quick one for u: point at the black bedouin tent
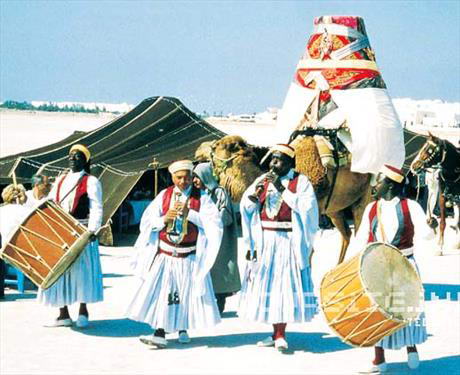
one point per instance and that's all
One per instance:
(122, 150)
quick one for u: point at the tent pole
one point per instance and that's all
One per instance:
(155, 166)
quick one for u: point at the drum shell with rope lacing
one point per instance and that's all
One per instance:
(371, 296)
(45, 244)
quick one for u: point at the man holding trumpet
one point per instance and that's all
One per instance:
(279, 214)
(180, 235)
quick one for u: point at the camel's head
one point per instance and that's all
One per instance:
(234, 163)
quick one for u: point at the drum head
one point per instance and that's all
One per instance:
(391, 281)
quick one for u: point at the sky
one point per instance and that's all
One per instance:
(215, 56)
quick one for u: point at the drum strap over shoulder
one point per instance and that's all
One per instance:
(80, 204)
(58, 193)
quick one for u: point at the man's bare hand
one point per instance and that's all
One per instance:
(182, 209)
(170, 215)
(275, 180)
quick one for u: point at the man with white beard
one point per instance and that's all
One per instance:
(41, 187)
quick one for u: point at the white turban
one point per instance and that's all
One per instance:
(181, 165)
(285, 149)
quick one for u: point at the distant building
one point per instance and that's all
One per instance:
(427, 113)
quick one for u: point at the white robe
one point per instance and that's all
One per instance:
(33, 202)
(82, 282)
(159, 275)
(11, 216)
(376, 131)
(278, 287)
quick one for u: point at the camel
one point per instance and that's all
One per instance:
(236, 165)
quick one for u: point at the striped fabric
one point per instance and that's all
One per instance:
(170, 281)
(81, 283)
(274, 291)
(413, 334)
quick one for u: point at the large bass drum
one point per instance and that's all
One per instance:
(45, 244)
(372, 295)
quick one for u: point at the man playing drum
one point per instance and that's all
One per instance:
(279, 214)
(180, 235)
(395, 220)
(80, 194)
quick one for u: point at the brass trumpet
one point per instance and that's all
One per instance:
(172, 226)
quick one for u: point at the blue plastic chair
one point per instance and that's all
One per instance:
(19, 281)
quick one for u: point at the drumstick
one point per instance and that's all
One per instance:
(15, 183)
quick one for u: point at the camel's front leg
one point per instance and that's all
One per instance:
(338, 219)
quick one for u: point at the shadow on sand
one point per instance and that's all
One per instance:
(313, 342)
(434, 292)
(115, 328)
(438, 366)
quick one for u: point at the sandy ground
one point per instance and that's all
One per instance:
(16, 128)
(110, 344)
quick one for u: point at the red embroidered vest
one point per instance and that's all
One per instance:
(192, 230)
(285, 212)
(404, 236)
(80, 207)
